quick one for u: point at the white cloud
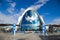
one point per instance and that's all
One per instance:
(42, 1)
(21, 11)
(36, 5)
(45, 14)
(9, 0)
(39, 4)
(11, 8)
(13, 4)
(10, 18)
(55, 21)
(6, 18)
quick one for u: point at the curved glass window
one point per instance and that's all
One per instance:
(30, 21)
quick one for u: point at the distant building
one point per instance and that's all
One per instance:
(53, 27)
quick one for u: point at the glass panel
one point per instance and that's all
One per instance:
(30, 21)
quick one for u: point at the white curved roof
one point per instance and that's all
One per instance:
(24, 13)
(31, 8)
(41, 18)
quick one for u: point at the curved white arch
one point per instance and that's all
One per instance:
(42, 21)
(31, 8)
(19, 19)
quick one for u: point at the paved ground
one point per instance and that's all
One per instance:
(19, 36)
(52, 37)
(29, 36)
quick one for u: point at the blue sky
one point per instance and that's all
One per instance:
(10, 10)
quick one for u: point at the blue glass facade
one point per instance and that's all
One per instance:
(30, 20)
